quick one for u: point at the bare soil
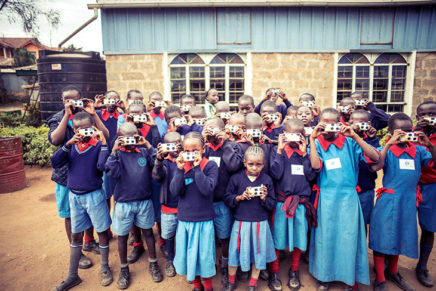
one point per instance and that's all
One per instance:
(34, 251)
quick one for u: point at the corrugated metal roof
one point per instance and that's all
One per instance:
(152, 30)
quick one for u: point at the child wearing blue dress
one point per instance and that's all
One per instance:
(194, 183)
(393, 229)
(338, 249)
(251, 242)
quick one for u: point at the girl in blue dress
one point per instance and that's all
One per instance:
(393, 228)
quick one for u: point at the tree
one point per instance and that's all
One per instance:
(27, 12)
(23, 57)
(72, 48)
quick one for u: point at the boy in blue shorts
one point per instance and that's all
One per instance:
(85, 153)
(130, 165)
(164, 169)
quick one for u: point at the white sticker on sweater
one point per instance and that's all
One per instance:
(297, 170)
(333, 164)
(217, 160)
(407, 164)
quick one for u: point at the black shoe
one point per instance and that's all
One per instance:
(379, 286)
(155, 272)
(170, 271)
(264, 275)
(85, 262)
(124, 278)
(229, 287)
(294, 280)
(274, 282)
(224, 275)
(322, 286)
(92, 247)
(242, 276)
(198, 289)
(282, 255)
(349, 288)
(135, 254)
(69, 283)
(399, 281)
(163, 250)
(423, 277)
(251, 288)
(106, 276)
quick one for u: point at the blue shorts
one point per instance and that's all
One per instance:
(62, 201)
(140, 213)
(168, 225)
(223, 220)
(108, 185)
(89, 210)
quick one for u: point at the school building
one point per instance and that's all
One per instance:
(328, 48)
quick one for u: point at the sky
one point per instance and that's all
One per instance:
(73, 14)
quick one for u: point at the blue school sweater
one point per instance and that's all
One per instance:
(151, 134)
(194, 187)
(366, 179)
(282, 108)
(236, 151)
(273, 133)
(215, 153)
(85, 168)
(254, 209)
(291, 172)
(163, 173)
(132, 172)
(111, 122)
(379, 118)
(185, 129)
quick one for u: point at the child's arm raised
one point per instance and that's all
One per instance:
(424, 140)
(177, 185)
(368, 150)
(314, 157)
(112, 166)
(98, 123)
(159, 170)
(393, 140)
(233, 156)
(276, 159)
(57, 136)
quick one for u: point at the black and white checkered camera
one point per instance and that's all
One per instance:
(169, 147)
(189, 156)
(225, 115)
(256, 191)
(360, 102)
(363, 126)
(254, 132)
(87, 131)
(78, 103)
(233, 128)
(332, 127)
(140, 118)
(129, 140)
(272, 117)
(109, 101)
(294, 137)
(308, 104)
(410, 136)
(159, 104)
(431, 120)
(185, 108)
(180, 121)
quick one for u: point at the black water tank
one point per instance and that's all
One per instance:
(85, 70)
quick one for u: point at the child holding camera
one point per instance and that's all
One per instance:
(271, 120)
(235, 127)
(305, 114)
(144, 123)
(179, 123)
(346, 107)
(198, 115)
(393, 229)
(85, 154)
(250, 194)
(274, 94)
(308, 100)
(379, 118)
(134, 96)
(130, 165)
(194, 183)
(163, 172)
(292, 173)
(338, 249)
(359, 122)
(426, 115)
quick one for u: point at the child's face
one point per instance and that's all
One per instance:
(357, 96)
(292, 113)
(245, 107)
(349, 103)
(358, 118)
(136, 96)
(268, 110)
(192, 145)
(329, 118)
(81, 124)
(173, 114)
(187, 102)
(70, 95)
(212, 96)
(177, 141)
(197, 115)
(305, 115)
(222, 109)
(254, 164)
(254, 125)
(427, 110)
(114, 96)
(404, 125)
(237, 121)
(305, 98)
(294, 129)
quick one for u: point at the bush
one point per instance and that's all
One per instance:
(36, 148)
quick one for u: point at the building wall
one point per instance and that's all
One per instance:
(424, 87)
(142, 72)
(296, 74)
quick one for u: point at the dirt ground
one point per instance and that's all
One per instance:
(34, 250)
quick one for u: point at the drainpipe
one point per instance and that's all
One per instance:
(80, 28)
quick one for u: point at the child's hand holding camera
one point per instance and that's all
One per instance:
(142, 141)
(98, 100)
(161, 153)
(98, 135)
(180, 162)
(77, 138)
(197, 159)
(246, 195)
(318, 130)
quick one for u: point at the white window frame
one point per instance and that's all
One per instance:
(207, 58)
(408, 90)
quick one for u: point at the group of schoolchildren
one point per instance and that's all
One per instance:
(254, 182)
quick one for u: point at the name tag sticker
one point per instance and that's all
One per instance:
(297, 170)
(217, 160)
(407, 164)
(333, 164)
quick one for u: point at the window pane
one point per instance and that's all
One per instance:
(381, 71)
(383, 107)
(234, 96)
(395, 108)
(380, 84)
(380, 96)
(397, 96)
(217, 84)
(177, 73)
(362, 71)
(196, 72)
(345, 72)
(197, 83)
(341, 95)
(399, 71)
(217, 72)
(236, 72)
(362, 85)
(398, 84)
(344, 84)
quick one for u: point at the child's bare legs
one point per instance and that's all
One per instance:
(68, 228)
(106, 275)
(425, 248)
(156, 274)
(138, 246)
(124, 278)
(231, 284)
(254, 276)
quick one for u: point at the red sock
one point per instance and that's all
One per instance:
(207, 283)
(232, 278)
(161, 242)
(379, 263)
(197, 282)
(89, 239)
(354, 287)
(393, 264)
(274, 266)
(109, 233)
(253, 282)
(295, 259)
(138, 244)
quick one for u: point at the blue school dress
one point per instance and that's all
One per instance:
(393, 229)
(427, 186)
(338, 249)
